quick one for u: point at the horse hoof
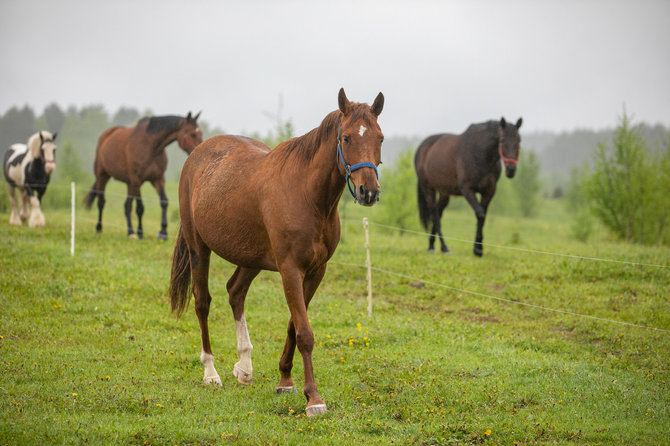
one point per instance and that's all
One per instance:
(431, 250)
(215, 380)
(281, 390)
(446, 253)
(478, 252)
(132, 236)
(162, 236)
(317, 409)
(242, 376)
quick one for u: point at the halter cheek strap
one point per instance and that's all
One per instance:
(347, 168)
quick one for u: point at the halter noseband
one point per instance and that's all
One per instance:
(500, 151)
(347, 168)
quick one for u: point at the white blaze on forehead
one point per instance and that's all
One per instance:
(362, 130)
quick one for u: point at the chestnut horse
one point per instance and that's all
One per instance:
(464, 164)
(137, 154)
(275, 210)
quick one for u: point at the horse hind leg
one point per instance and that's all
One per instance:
(24, 214)
(14, 218)
(99, 190)
(441, 205)
(238, 286)
(200, 273)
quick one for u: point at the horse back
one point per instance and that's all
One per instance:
(13, 167)
(437, 162)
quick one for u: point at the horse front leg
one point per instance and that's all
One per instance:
(480, 213)
(36, 216)
(298, 290)
(286, 384)
(14, 218)
(24, 214)
(238, 286)
(159, 185)
(99, 186)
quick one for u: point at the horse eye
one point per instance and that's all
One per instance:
(192, 135)
(382, 140)
(346, 139)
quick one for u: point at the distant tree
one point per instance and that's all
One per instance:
(125, 116)
(54, 116)
(526, 183)
(630, 186)
(16, 126)
(69, 165)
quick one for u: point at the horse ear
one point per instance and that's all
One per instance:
(188, 117)
(197, 116)
(503, 123)
(53, 138)
(41, 137)
(343, 102)
(378, 105)
(519, 122)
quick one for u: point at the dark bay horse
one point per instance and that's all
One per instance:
(276, 210)
(137, 154)
(28, 168)
(464, 164)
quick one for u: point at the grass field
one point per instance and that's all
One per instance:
(89, 352)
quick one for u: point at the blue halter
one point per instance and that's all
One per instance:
(347, 168)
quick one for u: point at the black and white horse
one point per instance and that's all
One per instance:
(27, 167)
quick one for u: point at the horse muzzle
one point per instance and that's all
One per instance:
(49, 166)
(366, 197)
(510, 170)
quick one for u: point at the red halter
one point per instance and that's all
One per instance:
(500, 150)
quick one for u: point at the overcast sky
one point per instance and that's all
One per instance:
(441, 64)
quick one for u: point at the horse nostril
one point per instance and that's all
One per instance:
(362, 191)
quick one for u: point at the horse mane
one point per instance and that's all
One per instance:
(34, 143)
(158, 124)
(303, 148)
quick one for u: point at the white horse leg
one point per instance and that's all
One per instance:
(211, 375)
(243, 369)
(25, 208)
(14, 218)
(36, 215)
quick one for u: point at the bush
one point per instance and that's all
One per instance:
(629, 189)
(397, 206)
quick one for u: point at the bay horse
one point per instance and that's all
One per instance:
(275, 210)
(28, 168)
(464, 164)
(135, 155)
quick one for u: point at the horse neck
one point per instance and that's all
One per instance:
(487, 140)
(324, 182)
(163, 139)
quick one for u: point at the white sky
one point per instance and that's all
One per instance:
(441, 65)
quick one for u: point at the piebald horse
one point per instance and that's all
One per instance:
(28, 168)
(135, 155)
(464, 164)
(276, 210)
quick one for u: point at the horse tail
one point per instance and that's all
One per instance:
(180, 278)
(424, 214)
(90, 197)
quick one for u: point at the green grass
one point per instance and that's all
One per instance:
(91, 354)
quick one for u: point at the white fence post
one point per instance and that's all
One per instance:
(72, 224)
(368, 265)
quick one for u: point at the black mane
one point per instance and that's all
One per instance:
(157, 124)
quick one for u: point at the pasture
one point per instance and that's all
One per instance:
(89, 352)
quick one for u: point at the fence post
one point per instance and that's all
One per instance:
(368, 265)
(72, 224)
